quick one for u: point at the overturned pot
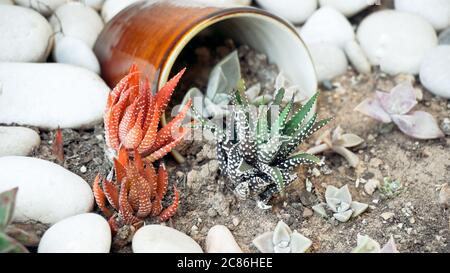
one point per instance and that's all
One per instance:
(153, 34)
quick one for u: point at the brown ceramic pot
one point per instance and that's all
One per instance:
(154, 34)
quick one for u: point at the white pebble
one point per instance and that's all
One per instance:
(18, 141)
(329, 61)
(435, 71)
(83, 233)
(44, 7)
(70, 50)
(396, 41)
(161, 239)
(348, 8)
(62, 95)
(292, 10)
(78, 21)
(25, 35)
(112, 7)
(327, 25)
(437, 12)
(220, 240)
(357, 58)
(47, 193)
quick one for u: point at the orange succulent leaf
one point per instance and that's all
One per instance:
(113, 117)
(165, 135)
(111, 192)
(144, 195)
(163, 181)
(165, 93)
(160, 153)
(58, 146)
(113, 225)
(150, 136)
(125, 209)
(100, 197)
(170, 211)
(151, 177)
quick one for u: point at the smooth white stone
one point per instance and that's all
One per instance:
(221, 240)
(83, 233)
(396, 41)
(437, 12)
(162, 239)
(346, 7)
(51, 95)
(78, 21)
(293, 10)
(95, 4)
(70, 50)
(47, 193)
(327, 25)
(357, 58)
(329, 61)
(44, 7)
(18, 141)
(25, 35)
(435, 71)
(6, 2)
(112, 7)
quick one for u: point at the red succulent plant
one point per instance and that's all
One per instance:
(136, 192)
(133, 113)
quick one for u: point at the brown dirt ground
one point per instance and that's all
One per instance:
(419, 223)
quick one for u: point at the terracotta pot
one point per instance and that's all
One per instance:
(154, 34)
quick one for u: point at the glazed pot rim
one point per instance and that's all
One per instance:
(220, 16)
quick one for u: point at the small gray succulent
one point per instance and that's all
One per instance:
(339, 143)
(340, 203)
(282, 240)
(365, 244)
(225, 76)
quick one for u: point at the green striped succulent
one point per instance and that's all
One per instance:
(256, 150)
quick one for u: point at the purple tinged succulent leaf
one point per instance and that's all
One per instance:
(401, 100)
(371, 107)
(390, 247)
(10, 245)
(7, 204)
(420, 125)
(264, 242)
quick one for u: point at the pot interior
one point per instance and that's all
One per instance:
(264, 33)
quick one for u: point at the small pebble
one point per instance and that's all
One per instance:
(83, 169)
(387, 215)
(371, 186)
(307, 213)
(445, 126)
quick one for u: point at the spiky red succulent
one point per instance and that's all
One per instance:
(136, 192)
(133, 113)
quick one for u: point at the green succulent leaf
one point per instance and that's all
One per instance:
(7, 204)
(298, 118)
(279, 124)
(279, 96)
(262, 128)
(9, 245)
(299, 159)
